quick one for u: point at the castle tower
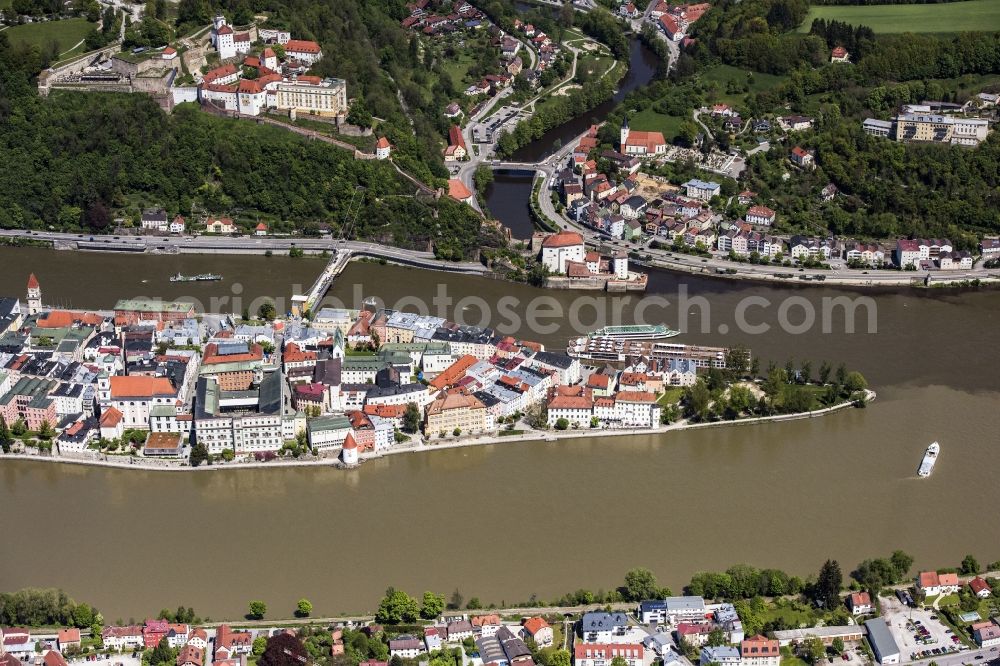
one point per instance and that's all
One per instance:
(619, 264)
(624, 134)
(34, 295)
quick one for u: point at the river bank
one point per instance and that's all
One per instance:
(159, 465)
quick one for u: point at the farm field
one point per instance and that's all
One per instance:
(66, 33)
(948, 17)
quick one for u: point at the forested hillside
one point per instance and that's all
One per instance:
(77, 160)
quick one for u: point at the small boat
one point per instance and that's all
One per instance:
(930, 459)
(203, 277)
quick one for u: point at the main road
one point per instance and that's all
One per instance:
(241, 245)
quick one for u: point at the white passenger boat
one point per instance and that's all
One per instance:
(930, 459)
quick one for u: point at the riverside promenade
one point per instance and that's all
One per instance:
(420, 446)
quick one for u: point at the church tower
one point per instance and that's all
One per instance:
(624, 134)
(34, 295)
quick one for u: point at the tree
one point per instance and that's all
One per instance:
(259, 645)
(562, 424)
(199, 454)
(737, 361)
(258, 609)
(45, 431)
(456, 432)
(431, 606)
(826, 591)
(619, 661)
(716, 637)
(824, 372)
(162, 653)
(267, 311)
(640, 583)
(901, 563)
(456, 600)
(359, 114)
(411, 418)
(397, 607)
(474, 604)
(304, 608)
(815, 650)
(838, 645)
(854, 382)
(5, 437)
(970, 565)
(83, 616)
(559, 658)
(283, 650)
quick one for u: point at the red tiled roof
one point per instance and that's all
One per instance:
(33, 282)
(138, 386)
(349, 443)
(301, 46)
(458, 190)
(534, 625)
(455, 137)
(563, 239)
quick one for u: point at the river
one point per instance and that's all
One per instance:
(97, 280)
(643, 65)
(507, 197)
(507, 521)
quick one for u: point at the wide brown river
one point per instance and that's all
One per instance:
(507, 521)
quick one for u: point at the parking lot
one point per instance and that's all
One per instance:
(918, 632)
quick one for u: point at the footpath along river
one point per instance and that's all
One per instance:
(506, 521)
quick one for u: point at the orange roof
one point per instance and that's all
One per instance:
(458, 190)
(69, 635)
(261, 226)
(453, 372)
(349, 442)
(929, 579)
(534, 624)
(268, 52)
(110, 418)
(455, 137)
(137, 386)
(65, 319)
(382, 142)
(301, 46)
(249, 86)
(33, 282)
(454, 401)
(563, 239)
(948, 579)
(635, 396)
(571, 402)
(212, 355)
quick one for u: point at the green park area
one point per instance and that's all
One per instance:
(67, 33)
(945, 17)
(649, 120)
(732, 84)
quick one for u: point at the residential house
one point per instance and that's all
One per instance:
(596, 654)
(760, 651)
(760, 215)
(802, 157)
(859, 603)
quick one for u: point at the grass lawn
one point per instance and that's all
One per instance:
(458, 68)
(723, 75)
(938, 18)
(596, 65)
(66, 33)
(671, 395)
(651, 121)
(793, 617)
(949, 600)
